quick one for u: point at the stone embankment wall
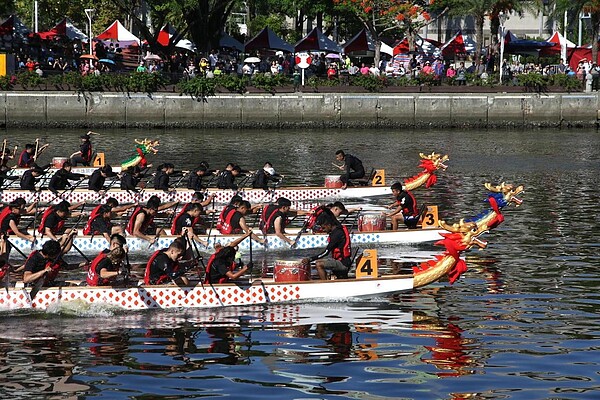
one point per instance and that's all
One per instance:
(60, 109)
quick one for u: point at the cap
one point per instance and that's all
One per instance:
(269, 170)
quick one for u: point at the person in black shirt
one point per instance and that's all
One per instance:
(44, 264)
(10, 222)
(195, 180)
(405, 208)
(31, 177)
(85, 154)
(60, 179)
(161, 180)
(340, 249)
(227, 178)
(131, 178)
(163, 266)
(98, 177)
(353, 167)
(264, 176)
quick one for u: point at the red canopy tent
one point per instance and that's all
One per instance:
(454, 46)
(64, 29)
(422, 46)
(363, 41)
(116, 32)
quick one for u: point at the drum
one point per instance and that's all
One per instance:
(333, 181)
(371, 222)
(57, 162)
(291, 271)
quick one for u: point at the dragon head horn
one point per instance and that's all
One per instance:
(491, 188)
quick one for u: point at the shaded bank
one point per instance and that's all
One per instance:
(316, 110)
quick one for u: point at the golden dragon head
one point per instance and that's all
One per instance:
(434, 159)
(509, 193)
(464, 234)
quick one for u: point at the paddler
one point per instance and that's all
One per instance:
(226, 178)
(264, 176)
(141, 223)
(98, 177)
(131, 178)
(106, 268)
(184, 222)
(221, 265)
(60, 179)
(85, 153)
(31, 177)
(234, 221)
(53, 224)
(274, 219)
(10, 217)
(163, 265)
(352, 167)
(43, 264)
(405, 208)
(339, 248)
(26, 159)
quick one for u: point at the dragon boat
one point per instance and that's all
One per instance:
(372, 187)
(92, 245)
(254, 291)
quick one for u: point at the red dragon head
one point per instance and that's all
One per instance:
(461, 237)
(433, 161)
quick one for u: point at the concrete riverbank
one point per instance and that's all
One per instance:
(62, 109)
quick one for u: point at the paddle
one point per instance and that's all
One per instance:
(251, 263)
(70, 190)
(302, 230)
(34, 218)
(7, 240)
(212, 222)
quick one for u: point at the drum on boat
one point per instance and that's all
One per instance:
(333, 181)
(291, 271)
(371, 222)
(57, 162)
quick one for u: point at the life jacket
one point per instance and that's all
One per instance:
(21, 163)
(93, 277)
(311, 220)
(163, 278)
(45, 216)
(3, 271)
(345, 252)
(411, 212)
(209, 264)
(87, 156)
(93, 215)
(6, 211)
(50, 276)
(224, 222)
(267, 216)
(131, 223)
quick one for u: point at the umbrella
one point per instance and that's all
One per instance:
(252, 60)
(152, 57)
(89, 57)
(106, 61)
(333, 55)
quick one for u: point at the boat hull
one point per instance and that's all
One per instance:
(186, 195)
(205, 296)
(93, 245)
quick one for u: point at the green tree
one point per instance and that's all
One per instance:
(574, 8)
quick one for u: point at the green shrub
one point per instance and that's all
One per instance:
(232, 82)
(569, 83)
(29, 79)
(533, 81)
(268, 82)
(6, 82)
(370, 82)
(198, 87)
(146, 82)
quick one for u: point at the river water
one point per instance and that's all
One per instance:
(522, 323)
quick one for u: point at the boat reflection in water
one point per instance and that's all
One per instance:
(276, 339)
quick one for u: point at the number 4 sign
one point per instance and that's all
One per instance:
(367, 265)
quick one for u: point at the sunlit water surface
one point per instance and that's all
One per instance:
(521, 324)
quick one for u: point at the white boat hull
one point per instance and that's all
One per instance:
(206, 296)
(93, 245)
(186, 195)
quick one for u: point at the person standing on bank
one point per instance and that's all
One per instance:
(352, 167)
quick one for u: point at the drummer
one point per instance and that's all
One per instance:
(405, 208)
(339, 248)
(352, 167)
(85, 154)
